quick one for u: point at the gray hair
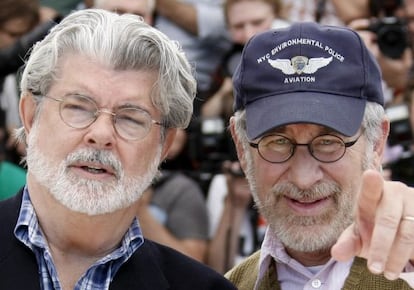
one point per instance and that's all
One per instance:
(371, 125)
(122, 42)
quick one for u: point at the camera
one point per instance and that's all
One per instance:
(400, 134)
(391, 35)
(209, 145)
(400, 126)
(391, 31)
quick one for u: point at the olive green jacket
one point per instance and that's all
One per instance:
(244, 277)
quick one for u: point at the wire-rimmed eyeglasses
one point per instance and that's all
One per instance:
(326, 148)
(80, 112)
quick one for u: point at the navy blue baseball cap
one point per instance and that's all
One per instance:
(306, 73)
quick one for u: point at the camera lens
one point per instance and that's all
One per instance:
(392, 40)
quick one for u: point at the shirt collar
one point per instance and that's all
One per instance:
(29, 232)
(273, 249)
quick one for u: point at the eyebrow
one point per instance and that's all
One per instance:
(322, 131)
(125, 105)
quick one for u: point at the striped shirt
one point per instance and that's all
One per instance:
(98, 276)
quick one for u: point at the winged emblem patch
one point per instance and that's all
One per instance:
(300, 64)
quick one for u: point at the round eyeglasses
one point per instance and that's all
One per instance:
(324, 148)
(80, 112)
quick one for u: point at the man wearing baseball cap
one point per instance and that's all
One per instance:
(310, 131)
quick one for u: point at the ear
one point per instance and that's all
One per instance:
(379, 148)
(238, 145)
(27, 109)
(168, 141)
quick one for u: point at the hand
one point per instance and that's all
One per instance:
(394, 71)
(380, 233)
(370, 38)
(238, 188)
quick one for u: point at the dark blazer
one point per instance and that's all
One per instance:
(152, 266)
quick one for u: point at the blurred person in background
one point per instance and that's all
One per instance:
(38, 21)
(386, 34)
(244, 18)
(236, 227)
(17, 17)
(144, 8)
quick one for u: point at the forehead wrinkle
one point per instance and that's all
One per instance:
(304, 129)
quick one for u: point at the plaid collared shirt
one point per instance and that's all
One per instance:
(98, 276)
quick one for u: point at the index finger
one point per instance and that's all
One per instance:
(355, 240)
(370, 194)
(359, 24)
(368, 201)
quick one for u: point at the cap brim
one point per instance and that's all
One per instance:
(341, 113)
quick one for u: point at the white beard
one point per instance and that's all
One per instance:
(86, 196)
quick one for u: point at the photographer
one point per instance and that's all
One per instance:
(236, 228)
(386, 36)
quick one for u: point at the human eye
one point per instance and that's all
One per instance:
(77, 103)
(77, 110)
(132, 118)
(276, 143)
(327, 143)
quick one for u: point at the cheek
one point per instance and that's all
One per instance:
(54, 143)
(347, 172)
(138, 157)
(54, 138)
(266, 175)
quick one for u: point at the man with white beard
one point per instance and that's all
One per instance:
(312, 153)
(102, 98)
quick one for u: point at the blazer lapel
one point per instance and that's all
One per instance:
(18, 264)
(141, 271)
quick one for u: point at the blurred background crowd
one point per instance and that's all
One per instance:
(202, 205)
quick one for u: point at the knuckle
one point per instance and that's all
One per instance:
(406, 236)
(388, 221)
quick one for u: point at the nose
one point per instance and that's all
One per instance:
(248, 32)
(304, 170)
(101, 133)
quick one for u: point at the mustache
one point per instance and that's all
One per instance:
(317, 191)
(104, 157)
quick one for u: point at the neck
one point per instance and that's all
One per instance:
(76, 233)
(309, 259)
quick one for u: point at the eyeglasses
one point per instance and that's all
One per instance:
(324, 148)
(80, 112)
